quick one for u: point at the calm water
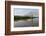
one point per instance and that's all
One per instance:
(27, 23)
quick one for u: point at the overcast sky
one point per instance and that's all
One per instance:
(25, 11)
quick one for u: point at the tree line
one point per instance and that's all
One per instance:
(23, 18)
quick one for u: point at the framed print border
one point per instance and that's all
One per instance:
(8, 17)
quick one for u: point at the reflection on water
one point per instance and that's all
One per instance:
(26, 23)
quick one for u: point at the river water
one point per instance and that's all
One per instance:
(27, 23)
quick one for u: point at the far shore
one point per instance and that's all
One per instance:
(23, 20)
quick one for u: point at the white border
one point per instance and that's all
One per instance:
(26, 28)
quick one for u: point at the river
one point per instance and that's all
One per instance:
(27, 23)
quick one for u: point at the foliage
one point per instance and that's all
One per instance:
(23, 18)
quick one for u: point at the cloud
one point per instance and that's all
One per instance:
(25, 11)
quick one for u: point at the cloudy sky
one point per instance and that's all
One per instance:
(25, 12)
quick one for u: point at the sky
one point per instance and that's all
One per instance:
(25, 12)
